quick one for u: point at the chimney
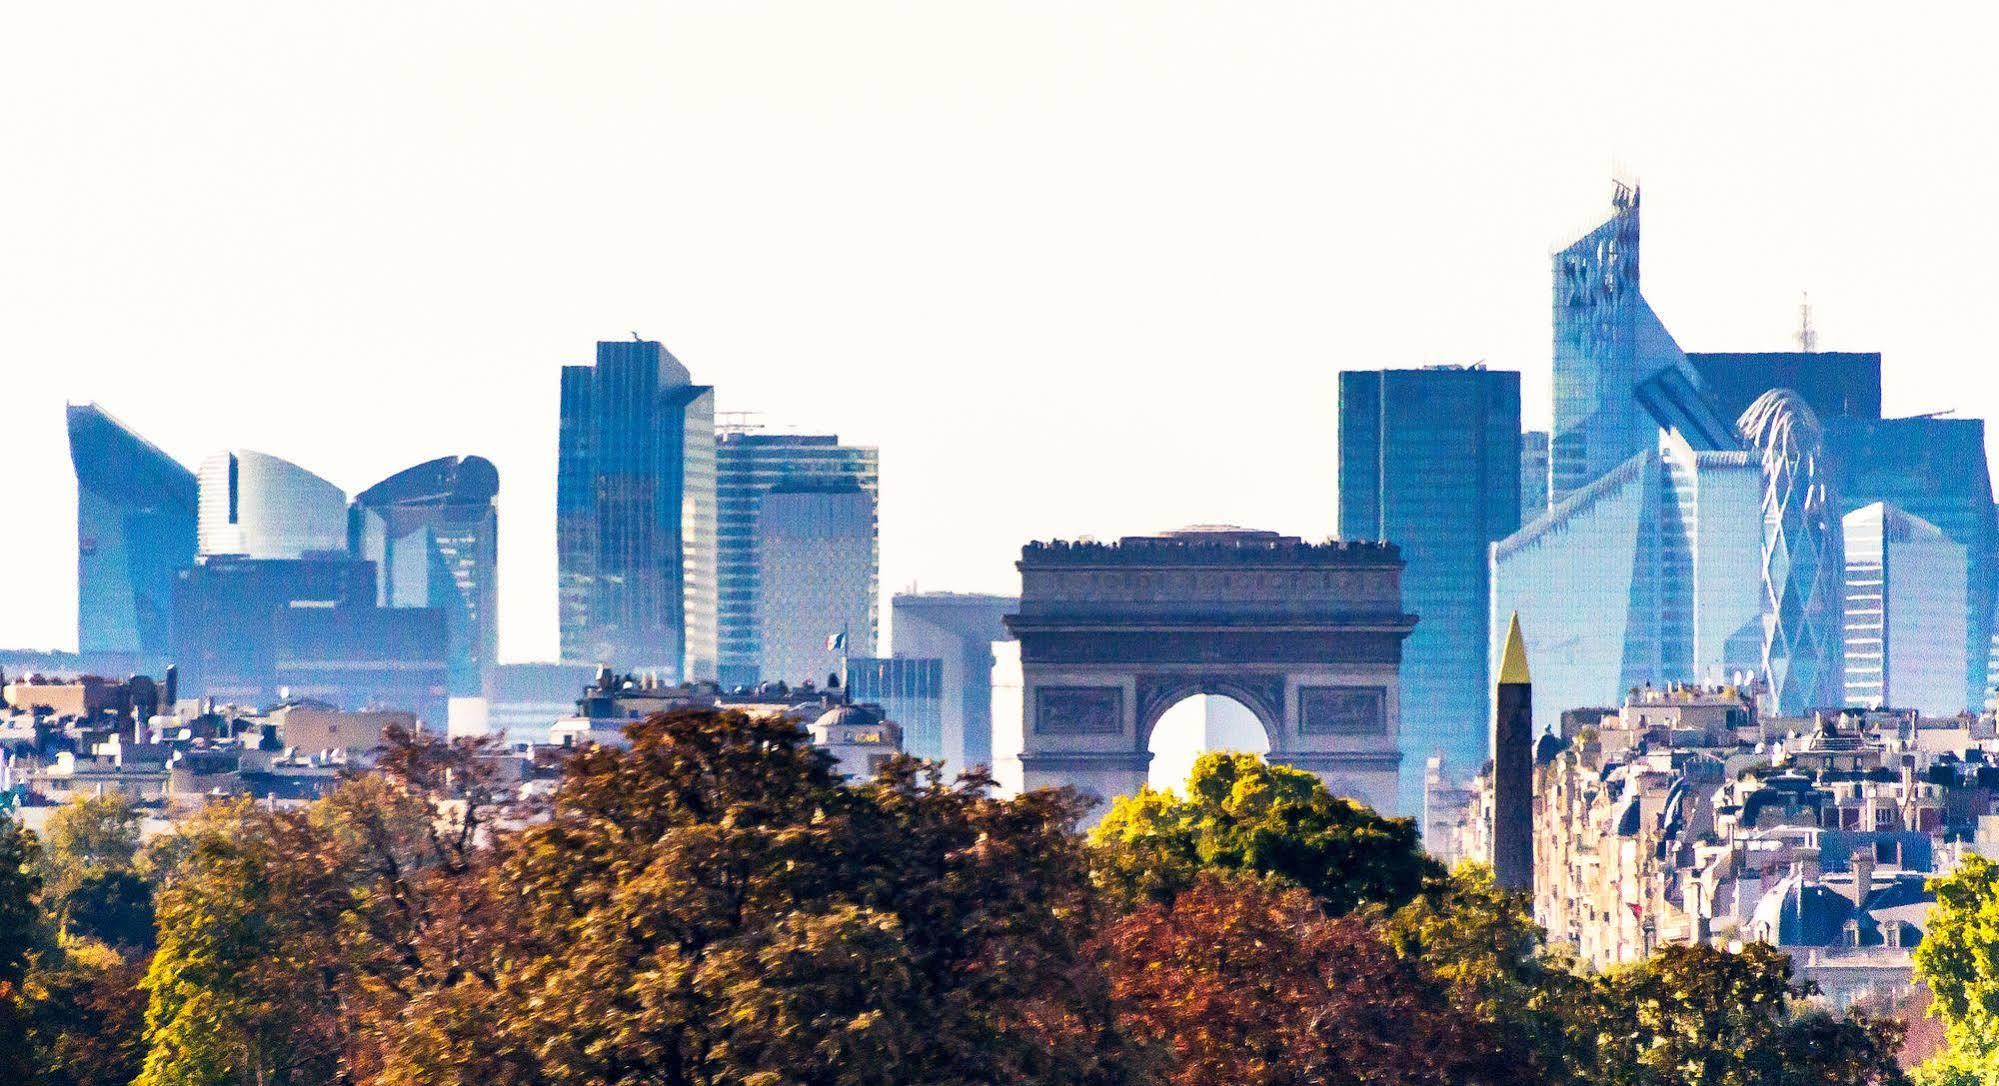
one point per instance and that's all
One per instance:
(1863, 872)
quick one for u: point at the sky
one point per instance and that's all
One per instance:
(1075, 269)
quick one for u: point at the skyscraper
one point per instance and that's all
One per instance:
(1837, 384)
(815, 578)
(1619, 375)
(1533, 475)
(1934, 469)
(1905, 613)
(748, 462)
(258, 506)
(958, 629)
(1803, 568)
(135, 532)
(1648, 575)
(1430, 461)
(635, 514)
(433, 534)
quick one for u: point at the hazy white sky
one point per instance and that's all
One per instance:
(1076, 269)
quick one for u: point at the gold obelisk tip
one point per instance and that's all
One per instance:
(1513, 661)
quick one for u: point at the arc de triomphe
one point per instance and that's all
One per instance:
(1308, 636)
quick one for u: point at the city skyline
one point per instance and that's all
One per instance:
(1133, 316)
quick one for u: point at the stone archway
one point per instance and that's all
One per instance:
(1307, 636)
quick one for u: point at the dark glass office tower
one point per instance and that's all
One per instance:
(1835, 384)
(635, 514)
(1430, 461)
(135, 533)
(1933, 468)
(748, 463)
(433, 534)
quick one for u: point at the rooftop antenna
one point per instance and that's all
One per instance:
(1808, 337)
(636, 338)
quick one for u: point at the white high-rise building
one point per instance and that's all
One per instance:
(1905, 613)
(259, 506)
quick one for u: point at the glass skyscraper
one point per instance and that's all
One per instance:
(1933, 469)
(1837, 384)
(635, 514)
(1905, 613)
(135, 532)
(1802, 558)
(259, 506)
(748, 463)
(1619, 375)
(958, 630)
(1430, 461)
(815, 578)
(1533, 475)
(433, 534)
(911, 691)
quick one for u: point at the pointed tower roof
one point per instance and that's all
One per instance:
(1513, 661)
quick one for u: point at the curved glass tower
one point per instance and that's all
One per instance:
(1803, 577)
(259, 506)
(135, 532)
(433, 534)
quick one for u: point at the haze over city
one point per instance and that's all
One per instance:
(1074, 272)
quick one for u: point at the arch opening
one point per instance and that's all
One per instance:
(1194, 725)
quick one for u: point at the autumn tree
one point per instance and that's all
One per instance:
(1239, 813)
(1242, 979)
(713, 905)
(20, 922)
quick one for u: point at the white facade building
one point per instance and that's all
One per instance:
(260, 506)
(1905, 613)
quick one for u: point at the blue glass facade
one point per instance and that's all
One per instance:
(1612, 355)
(635, 514)
(135, 533)
(1836, 384)
(433, 534)
(748, 463)
(1430, 461)
(1934, 469)
(911, 691)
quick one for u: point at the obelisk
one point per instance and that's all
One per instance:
(1513, 768)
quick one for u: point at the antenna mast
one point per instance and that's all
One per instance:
(1808, 337)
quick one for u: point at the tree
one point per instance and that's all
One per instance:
(242, 987)
(712, 905)
(20, 924)
(1534, 1014)
(88, 1022)
(20, 918)
(1959, 960)
(1704, 1016)
(1242, 814)
(1244, 980)
(90, 886)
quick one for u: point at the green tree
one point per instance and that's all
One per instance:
(1533, 1012)
(90, 885)
(1240, 813)
(1703, 1016)
(242, 987)
(20, 934)
(1959, 960)
(20, 917)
